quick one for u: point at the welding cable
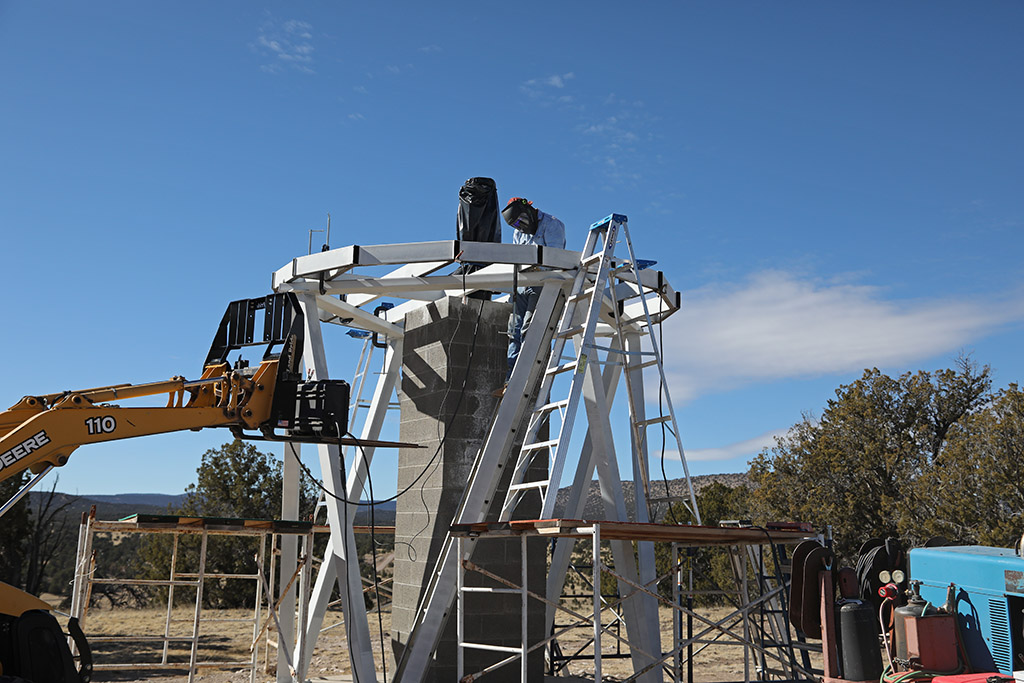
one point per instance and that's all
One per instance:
(661, 413)
(373, 550)
(886, 640)
(348, 587)
(440, 412)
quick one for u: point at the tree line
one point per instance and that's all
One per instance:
(917, 455)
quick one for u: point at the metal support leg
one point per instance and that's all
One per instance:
(357, 628)
(328, 573)
(596, 563)
(289, 556)
(642, 627)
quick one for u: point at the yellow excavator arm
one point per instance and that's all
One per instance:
(42, 431)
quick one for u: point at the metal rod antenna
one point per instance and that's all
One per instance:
(310, 248)
(327, 243)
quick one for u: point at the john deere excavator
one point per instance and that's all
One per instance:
(267, 402)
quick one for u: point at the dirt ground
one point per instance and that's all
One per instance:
(227, 634)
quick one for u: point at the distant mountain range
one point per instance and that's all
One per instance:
(113, 507)
(119, 506)
(676, 488)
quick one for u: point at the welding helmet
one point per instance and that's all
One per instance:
(520, 214)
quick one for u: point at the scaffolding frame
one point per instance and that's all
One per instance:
(85, 580)
(739, 540)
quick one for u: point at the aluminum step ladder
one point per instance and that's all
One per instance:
(576, 330)
(636, 359)
(607, 299)
(610, 295)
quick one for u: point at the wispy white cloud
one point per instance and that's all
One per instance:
(430, 49)
(776, 325)
(543, 90)
(741, 449)
(619, 130)
(286, 45)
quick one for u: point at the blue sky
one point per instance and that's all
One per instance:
(832, 186)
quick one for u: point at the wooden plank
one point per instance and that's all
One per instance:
(635, 531)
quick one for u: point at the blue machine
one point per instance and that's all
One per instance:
(989, 592)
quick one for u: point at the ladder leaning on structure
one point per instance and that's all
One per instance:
(607, 298)
(594, 297)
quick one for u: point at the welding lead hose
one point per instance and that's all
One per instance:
(886, 640)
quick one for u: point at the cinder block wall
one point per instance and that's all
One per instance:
(442, 340)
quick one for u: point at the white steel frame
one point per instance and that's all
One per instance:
(334, 287)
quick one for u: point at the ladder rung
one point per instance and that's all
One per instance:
(572, 331)
(564, 367)
(494, 648)
(594, 258)
(530, 485)
(539, 445)
(641, 366)
(548, 407)
(654, 420)
(585, 294)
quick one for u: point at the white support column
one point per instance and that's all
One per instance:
(328, 573)
(596, 580)
(574, 507)
(647, 604)
(524, 606)
(289, 557)
(460, 612)
(642, 628)
(343, 542)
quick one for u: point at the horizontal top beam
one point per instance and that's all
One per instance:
(423, 271)
(338, 261)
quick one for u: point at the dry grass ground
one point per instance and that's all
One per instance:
(227, 634)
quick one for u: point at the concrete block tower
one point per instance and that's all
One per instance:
(454, 359)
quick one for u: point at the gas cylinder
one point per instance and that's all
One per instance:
(925, 636)
(915, 607)
(860, 655)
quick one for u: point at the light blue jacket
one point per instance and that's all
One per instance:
(550, 232)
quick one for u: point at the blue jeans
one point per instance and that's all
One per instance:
(519, 323)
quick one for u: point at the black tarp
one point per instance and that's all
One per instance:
(478, 211)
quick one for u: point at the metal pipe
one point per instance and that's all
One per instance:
(24, 489)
